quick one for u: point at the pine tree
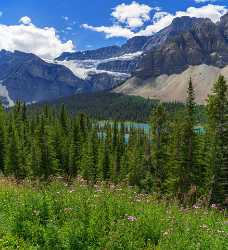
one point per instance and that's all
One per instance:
(49, 164)
(13, 161)
(64, 118)
(218, 124)
(159, 144)
(2, 139)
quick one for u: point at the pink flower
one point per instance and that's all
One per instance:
(195, 207)
(131, 218)
(213, 206)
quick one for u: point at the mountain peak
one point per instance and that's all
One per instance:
(185, 22)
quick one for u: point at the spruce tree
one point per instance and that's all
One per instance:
(159, 125)
(218, 125)
(2, 139)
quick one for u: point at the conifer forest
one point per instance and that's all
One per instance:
(74, 182)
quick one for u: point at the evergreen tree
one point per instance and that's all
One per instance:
(14, 155)
(2, 139)
(218, 124)
(159, 144)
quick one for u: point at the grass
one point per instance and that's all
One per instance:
(58, 216)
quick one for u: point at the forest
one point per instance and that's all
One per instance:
(108, 106)
(70, 181)
(173, 160)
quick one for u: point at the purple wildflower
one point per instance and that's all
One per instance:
(131, 218)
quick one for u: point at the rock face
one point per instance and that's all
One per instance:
(26, 77)
(102, 53)
(200, 41)
(133, 45)
(103, 81)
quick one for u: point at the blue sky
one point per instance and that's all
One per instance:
(87, 22)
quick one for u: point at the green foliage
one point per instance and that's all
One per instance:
(106, 105)
(79, 217)
(218, 124)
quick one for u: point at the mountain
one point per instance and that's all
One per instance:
(155, 65)
(198, 49)
(27, 77)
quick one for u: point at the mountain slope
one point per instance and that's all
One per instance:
(27, 77)
(173, 87)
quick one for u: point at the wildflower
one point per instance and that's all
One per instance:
(131, 218)
(165, 233)
(213, 206)
(195, 206)
(71, 191)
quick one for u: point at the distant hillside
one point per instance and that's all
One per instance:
(105, 105)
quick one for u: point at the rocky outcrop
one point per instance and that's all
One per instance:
(102, 53)
(104, 81)
(120, 66)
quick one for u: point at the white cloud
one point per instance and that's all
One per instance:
(214, 12)
(161, 20)
(133, 15)
(43, 42)
(25, 20)
(112, 31)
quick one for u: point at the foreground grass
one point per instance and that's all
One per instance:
(57, 216)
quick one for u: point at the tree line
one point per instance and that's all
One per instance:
(107, 105)
(174, 159)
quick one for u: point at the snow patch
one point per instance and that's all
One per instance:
(5, 94)
(84, 68)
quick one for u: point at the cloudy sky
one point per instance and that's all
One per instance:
(49, 27)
